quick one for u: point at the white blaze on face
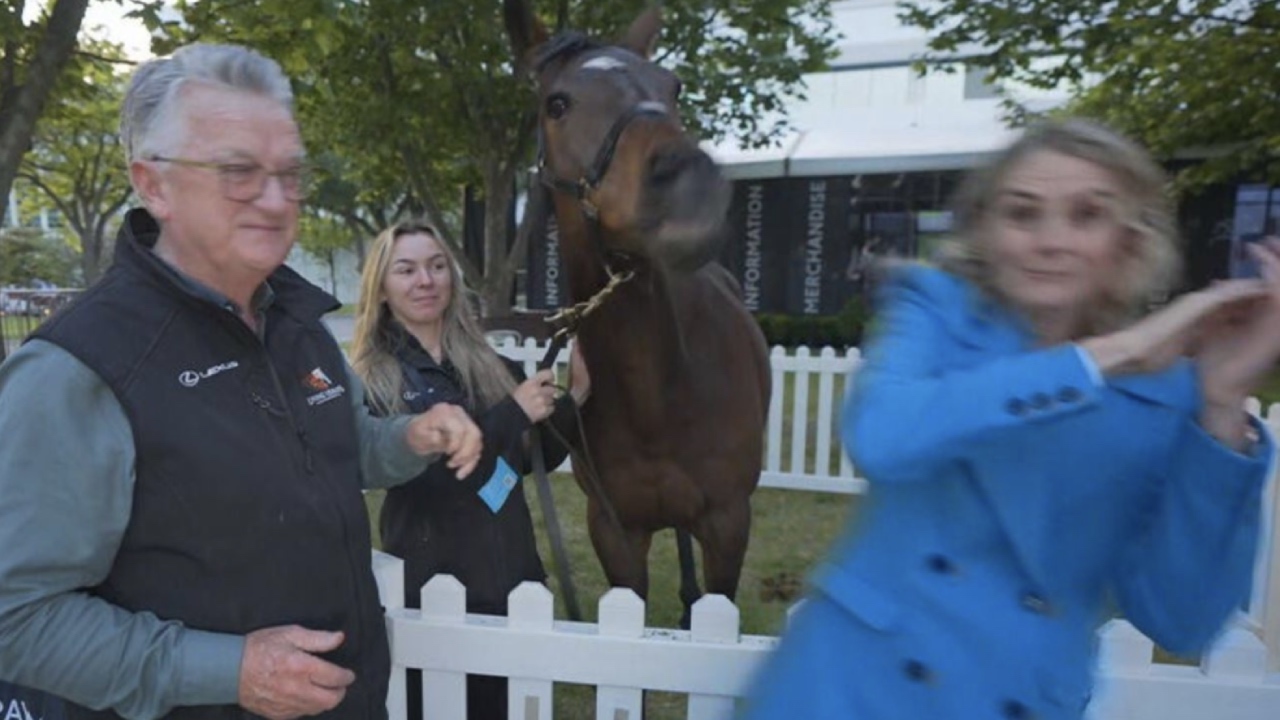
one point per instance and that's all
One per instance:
(604, 62)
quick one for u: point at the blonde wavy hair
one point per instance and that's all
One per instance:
(484, 377)
(1154, 266)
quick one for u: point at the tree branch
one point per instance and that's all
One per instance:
(104, 58)
(56, 198)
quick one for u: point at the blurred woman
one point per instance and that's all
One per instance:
(1040, 451)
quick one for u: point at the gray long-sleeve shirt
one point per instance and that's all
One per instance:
(66, 490)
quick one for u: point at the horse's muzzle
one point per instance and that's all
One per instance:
(688, 198)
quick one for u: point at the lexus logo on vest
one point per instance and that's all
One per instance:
(191, 378)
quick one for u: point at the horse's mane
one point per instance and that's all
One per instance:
(564, 45)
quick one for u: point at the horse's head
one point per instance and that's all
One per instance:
(610, 134)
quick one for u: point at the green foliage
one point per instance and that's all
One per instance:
(1197, 77)
(76, 162)
(34, 49)
(27, 255)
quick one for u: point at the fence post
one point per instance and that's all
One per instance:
(1238, 654)
(715, 620)
(855, 359)
(1122, 648)
(621, 614)
(800, 410)
(827, 401)
(388, 573)
(444, 693)
(773, 438)
(530, 608)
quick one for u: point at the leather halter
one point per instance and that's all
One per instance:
(590, 181)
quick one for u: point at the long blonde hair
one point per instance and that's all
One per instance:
(484, 377)
(1156, 262)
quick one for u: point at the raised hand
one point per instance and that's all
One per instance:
(1156, 341)
(1238, 351)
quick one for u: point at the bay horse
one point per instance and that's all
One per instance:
(679, 369)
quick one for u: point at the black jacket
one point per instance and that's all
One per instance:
(439, 524)
(247, 504)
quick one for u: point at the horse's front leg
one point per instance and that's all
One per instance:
(722, 533)
(623, 552)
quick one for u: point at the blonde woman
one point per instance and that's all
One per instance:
(417, 343)
(1039, 451)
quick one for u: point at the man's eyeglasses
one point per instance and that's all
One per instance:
(245, 182)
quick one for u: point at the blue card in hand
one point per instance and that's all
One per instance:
(494, 493)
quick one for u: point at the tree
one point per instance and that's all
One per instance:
(1199, 76)
(76, 160)
(28, 255)
(31, 60)
(412, 101)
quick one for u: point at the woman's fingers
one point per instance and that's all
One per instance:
(1267, 255)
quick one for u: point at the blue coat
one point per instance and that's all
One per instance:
(1014, 505)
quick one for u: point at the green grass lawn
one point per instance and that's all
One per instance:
(790, 532)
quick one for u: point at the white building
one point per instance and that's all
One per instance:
(872, 112)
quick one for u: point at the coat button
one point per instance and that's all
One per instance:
(917, 671)
(1036, 604)
(1016, 406)
(1015, 710)
(1041, 401)
(1068, 394)
(940, 564)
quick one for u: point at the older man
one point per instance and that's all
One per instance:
(183, 450)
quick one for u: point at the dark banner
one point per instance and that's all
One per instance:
(801, 246)
(546, 284)
(757, 250)
(819, 241)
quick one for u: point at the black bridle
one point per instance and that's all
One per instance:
(589, 182)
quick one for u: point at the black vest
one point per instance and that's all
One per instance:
(247, 510)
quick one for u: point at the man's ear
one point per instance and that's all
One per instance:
(148, 183)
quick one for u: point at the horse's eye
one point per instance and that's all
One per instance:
(557, 106)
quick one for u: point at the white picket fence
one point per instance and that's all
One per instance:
(713, 663)
(812, 459)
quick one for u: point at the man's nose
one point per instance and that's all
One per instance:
(273, 196)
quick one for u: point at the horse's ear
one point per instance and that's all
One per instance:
(642, 36)
(526, 31)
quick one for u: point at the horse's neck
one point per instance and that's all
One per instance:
(633, 339)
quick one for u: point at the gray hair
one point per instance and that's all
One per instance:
(150, 105)
(1154, 267)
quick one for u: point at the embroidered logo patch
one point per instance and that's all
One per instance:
(325, 388)
(191, 378)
